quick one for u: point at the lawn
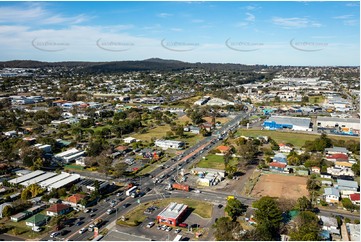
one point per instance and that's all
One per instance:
(134, 217)
(297, 139)
(214, 162)
(20, 229)
(74, 167)
(316, 99)
(157, 133)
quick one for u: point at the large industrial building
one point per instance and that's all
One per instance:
(333, 122)
(172, 215)
(286, 122)
(172, 144)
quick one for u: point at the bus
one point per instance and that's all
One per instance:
(99, 237)
(178, 238)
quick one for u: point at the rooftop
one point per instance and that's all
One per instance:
(173, 210)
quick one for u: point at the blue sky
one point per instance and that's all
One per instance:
(272, 33)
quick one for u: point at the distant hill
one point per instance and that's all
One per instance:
(153, 64)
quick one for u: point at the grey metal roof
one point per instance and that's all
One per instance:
(337, 149)
(346, 183)
(331, 191)
(341, 120)
(173, 210)
(291, 120)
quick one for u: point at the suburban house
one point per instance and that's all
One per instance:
(343, 164)
(337, 157)
(224, 149)
(54, 200)
(122, 149)
(329, 224)
(37, 220)
(347, 187)
(336, 150)
(285, 148)
(316, 169)
(355, 198)
(281, 158)
(326, 175)
(73, 200)
(129, 140)
(277, 166)
(331, 195)
(337, 171)
(58, 209)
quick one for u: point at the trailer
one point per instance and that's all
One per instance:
(180, 187)
(131, 190)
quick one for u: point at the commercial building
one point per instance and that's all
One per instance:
(172, 215)
(38, 179)
(62, 183)
(26, 177)
(285, 122)
(54, 179)
(334, 122)
(69, 155)
(166, 144)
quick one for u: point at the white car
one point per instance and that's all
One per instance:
(197, 191)
(87, 211)
(36, 229)
(150, 224)
(83, 230)
(54, 234)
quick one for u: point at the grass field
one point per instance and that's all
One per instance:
(214, 162)
(316, 99)
(297, 139)
(203, 209)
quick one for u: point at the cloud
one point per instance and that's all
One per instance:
(58, 19)
(250, 17)
(15, 14)
(351, 22)
(295, 22)
(343, 17)
(176, 29)
(164, 15)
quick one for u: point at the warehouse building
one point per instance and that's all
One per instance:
(65, 182)
(172, 215)
(38, 179)
(69, 155)
(52, 180)
(285, 122)
(334, 122)
(26, 177)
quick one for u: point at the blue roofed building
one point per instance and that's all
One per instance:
(286, 122)
(279, 157)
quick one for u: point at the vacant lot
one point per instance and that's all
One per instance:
(278, 185)
(297, 139)
(215, 162)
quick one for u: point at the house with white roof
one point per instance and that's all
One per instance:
(331, 195)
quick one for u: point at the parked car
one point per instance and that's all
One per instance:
(54, 234)
(159, 227)
(197, 191)
(168, 229)
(150, 224)
(83, 230)
(79, 223)
(164, 227)
(119, 194)
(176, 231)
(87, 210)
(36, 229)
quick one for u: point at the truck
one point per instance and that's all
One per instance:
(230, 198)
(180, 187)
(95, 224)
(131, 190)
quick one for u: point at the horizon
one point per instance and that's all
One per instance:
(247, 33)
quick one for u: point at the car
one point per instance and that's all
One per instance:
(197, 191)
(220, 206)
(183, 225)
(126, 205)
(159, 227)
(164, 227)
(168, 229)
(79, 223)
(83, 230)
(92, 215)
(87, 210)
(36, 229)
(176, 231)
(54, 234)
(150, 224)
(119, 194)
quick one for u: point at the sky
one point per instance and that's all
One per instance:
(270, 33)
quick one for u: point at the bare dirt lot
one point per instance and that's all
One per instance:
(277, 185)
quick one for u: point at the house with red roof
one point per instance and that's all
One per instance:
(277, 166)
(224, 149)
(73, 200)
(355, 198)
(285, 148)
(58, 209)
(337, 157)
(316, 169)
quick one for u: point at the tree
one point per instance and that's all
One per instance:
(346, 203)
(307, 228)
(313, 186)
(7, 211)
(268, 216)
(356, 168)
(234, 208)
(226, 229)
(29, 155)
(120, 169)
(25, 195)
(303, 204)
